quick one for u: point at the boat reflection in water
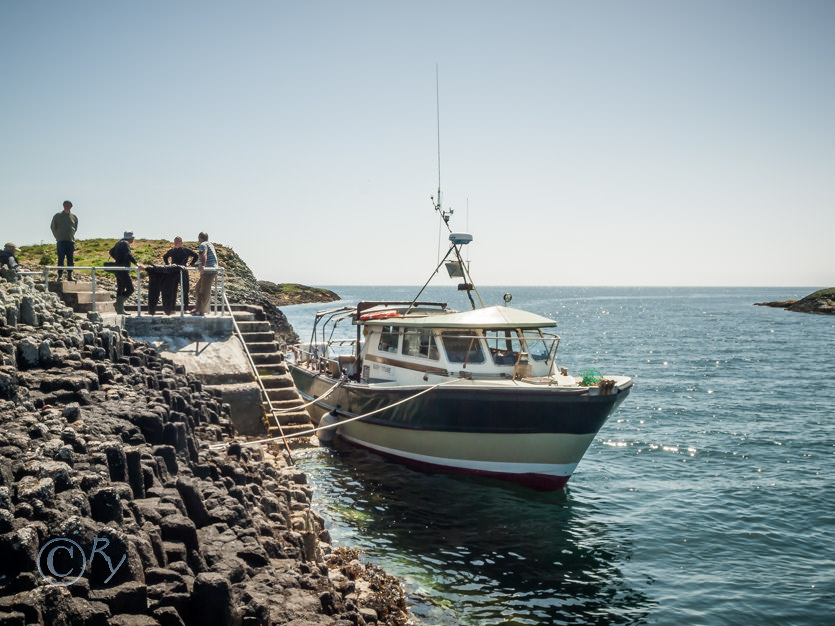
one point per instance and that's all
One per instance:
(476, 392)
(473, 551)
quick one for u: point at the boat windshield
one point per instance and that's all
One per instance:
(389, 336)
(420, 342)
(538, 349)
(462, 348)
(504, 346)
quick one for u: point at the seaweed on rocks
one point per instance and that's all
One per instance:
(116, 509)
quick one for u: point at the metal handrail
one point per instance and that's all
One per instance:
(257, 374)
(111, 268)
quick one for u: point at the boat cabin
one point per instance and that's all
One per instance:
(412, 343)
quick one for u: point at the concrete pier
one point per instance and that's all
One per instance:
(208, 348)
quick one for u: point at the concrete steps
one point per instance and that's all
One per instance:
(258, 337)
(262, 347)
(282, 394)
(267, 358)
(253, 326)
(269, 361)
(273, 370)
(243, 316)
(286, 417)
(289, 430)
(79, 296)
(278, 382)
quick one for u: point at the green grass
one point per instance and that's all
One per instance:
(94, 252)
(822, 294)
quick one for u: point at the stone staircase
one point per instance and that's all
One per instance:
(79, 296)
(269, 361)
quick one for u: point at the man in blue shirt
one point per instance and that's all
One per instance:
(208, 271)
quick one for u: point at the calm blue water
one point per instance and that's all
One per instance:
(706, 499)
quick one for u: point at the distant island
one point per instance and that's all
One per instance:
(821, 302)
(283, 294)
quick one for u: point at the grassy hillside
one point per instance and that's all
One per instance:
(94, 252)
(822, 294)
(240, 281)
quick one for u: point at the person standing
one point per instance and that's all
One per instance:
(180, 255)
(208, 272)
(123, 257)
(64, 224)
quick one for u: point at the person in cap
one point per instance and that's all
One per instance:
(123, 257)
(8, 260)
(63, 226)
(7, 256)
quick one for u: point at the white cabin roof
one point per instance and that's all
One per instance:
(488, 317)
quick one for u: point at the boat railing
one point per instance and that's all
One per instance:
(330, 356)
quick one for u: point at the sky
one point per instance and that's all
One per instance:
(668, 142)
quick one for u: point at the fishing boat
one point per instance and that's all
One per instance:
(476, 392)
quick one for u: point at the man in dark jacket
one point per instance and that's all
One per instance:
(123, 257)
(180, 255)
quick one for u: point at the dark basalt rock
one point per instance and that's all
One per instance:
(104, 443)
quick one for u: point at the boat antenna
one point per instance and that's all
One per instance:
(437, 203)
(438, 127)
(456, 240)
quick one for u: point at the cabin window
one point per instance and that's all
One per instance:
(419, 342)
(504, 346)
(388, 339)
(537, 347)
(462, 348)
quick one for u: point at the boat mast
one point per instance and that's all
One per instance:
(438, 128)
(455, 242)
(437, 204)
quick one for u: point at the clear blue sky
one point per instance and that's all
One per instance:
(664, 142)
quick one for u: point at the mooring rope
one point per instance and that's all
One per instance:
(314, 401)
(311, 431)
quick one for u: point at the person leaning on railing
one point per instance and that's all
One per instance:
(208, 271)
(180, 255)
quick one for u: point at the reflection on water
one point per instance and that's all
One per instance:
(700, 501)
(472, 551)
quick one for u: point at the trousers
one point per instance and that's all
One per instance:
(124, 284)
(204, 292)
(66, 251)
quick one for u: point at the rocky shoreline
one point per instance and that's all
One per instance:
(821, 302)
(112, 454)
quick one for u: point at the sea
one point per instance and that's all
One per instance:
(705, 499)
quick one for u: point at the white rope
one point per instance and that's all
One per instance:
(305, 433)
(304, 406)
